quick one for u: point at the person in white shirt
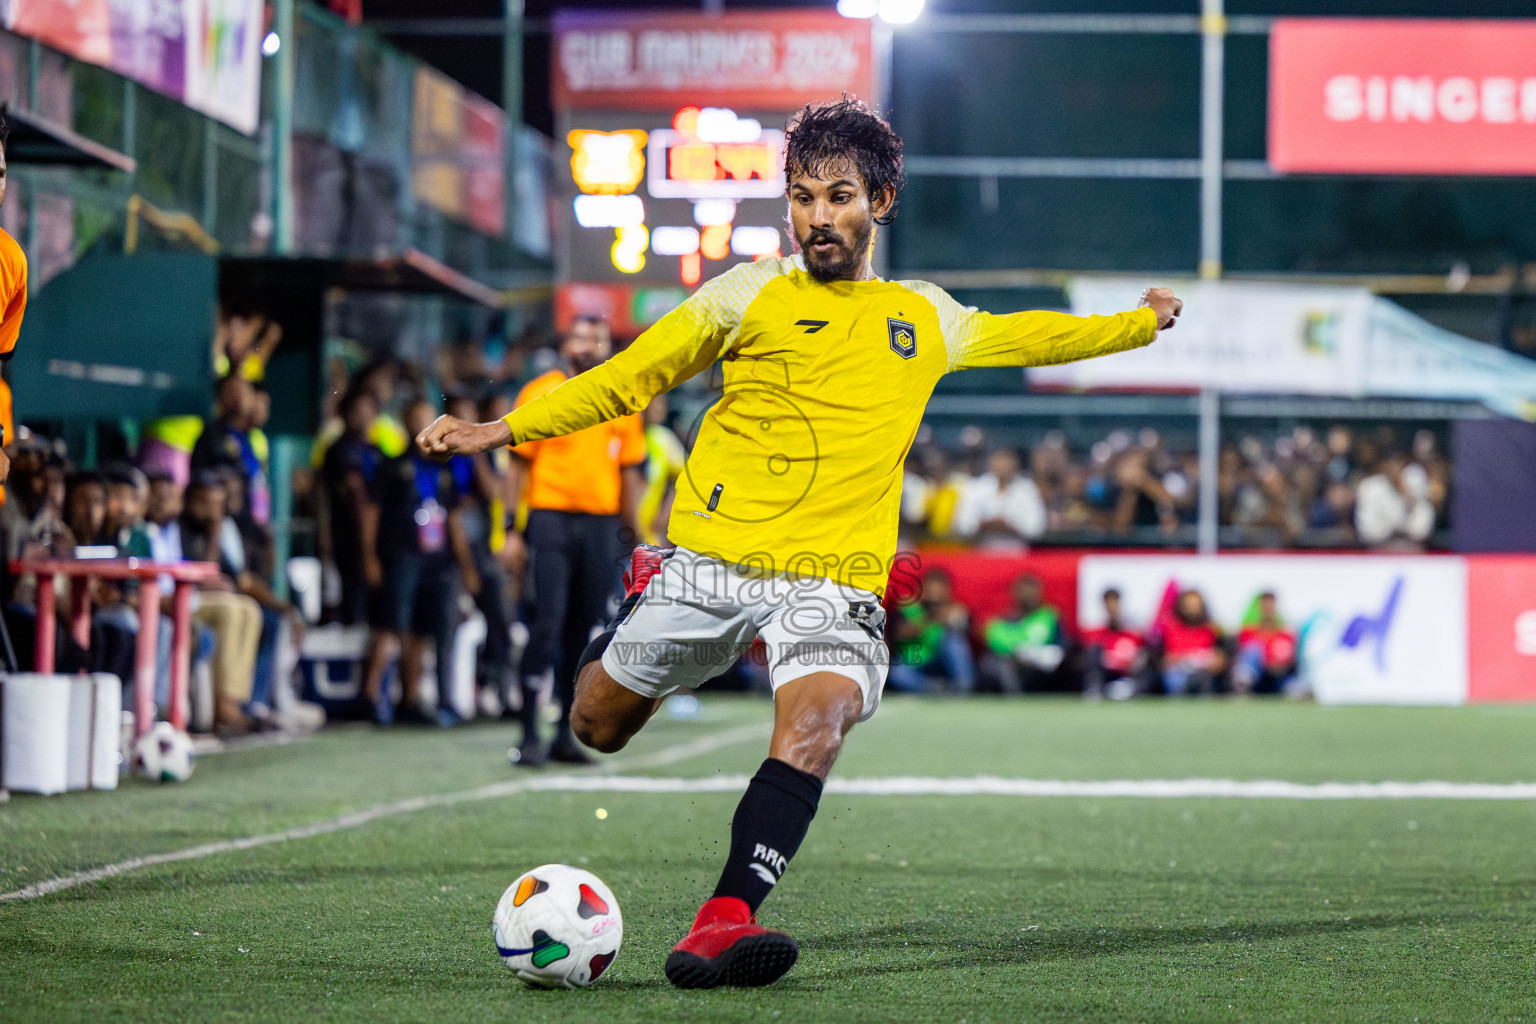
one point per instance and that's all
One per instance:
(1392, 506)
(1002, 507)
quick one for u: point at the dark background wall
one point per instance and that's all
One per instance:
(1493, 502)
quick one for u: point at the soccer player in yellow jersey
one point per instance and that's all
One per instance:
(785, 518)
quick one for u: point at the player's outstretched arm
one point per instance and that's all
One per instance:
(1043, 338)
(448, 436)
(678, 346)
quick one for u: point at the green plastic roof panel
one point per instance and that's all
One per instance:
(119, 336)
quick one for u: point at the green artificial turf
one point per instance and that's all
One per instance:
(907, 908)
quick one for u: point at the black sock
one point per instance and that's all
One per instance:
(769, 825)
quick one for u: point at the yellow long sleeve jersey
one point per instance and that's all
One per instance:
(798, 466)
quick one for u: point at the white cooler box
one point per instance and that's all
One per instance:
(60, 732)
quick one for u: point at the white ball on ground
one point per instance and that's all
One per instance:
(558, 927)
(165, 753)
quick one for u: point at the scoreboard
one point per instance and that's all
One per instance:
(674, 202)
(673, 126)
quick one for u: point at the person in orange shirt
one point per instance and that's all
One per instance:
(13, 300)
(583, 493)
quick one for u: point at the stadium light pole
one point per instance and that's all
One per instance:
(1213, 33)
(511, 107)
(282, 128)
(884, 17)
(883, 48)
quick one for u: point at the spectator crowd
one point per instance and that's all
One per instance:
(211, 505)
(412, 548)
(1336, 487)
(937, 647)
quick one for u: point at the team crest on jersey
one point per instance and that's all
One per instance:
(903, 337)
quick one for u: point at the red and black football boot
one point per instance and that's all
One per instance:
(728, 947)
(643, 564)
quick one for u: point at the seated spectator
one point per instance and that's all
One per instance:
(1141, 500)
(250, 551)
(1002, 507)
(1024, 646)
(32, 521)
(85, 509)
(127, 498)
(946, 483)
(1392, 506)
(31, 527)
(162, 527)
(1114, 656)
(1191, 658)
(114, 620)
(1266, 652)
(234, 618)
(1334, 511)
(930, 648)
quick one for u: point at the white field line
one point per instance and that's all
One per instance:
(667, 755)
(898, 786)
(983, 785)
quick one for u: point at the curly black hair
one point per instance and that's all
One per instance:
(5, 129)
(822, 135)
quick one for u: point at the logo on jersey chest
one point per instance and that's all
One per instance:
(903, 337)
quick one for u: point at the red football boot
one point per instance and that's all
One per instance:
(643, 564)
(728, 947)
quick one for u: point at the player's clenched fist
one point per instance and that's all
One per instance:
(449, 436)
(1165, 304)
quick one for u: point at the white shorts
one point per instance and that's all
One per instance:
(699, 614)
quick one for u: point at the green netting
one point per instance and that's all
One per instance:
(238, 173)
(169, 147)
(353, 98)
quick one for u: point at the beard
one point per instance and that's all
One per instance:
(839, 263)
(580, 360)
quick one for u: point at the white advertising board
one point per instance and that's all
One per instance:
(1373, 629)
(1233, 336)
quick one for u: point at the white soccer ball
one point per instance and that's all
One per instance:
(558, 927)
(165, 753)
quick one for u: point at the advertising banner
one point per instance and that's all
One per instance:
(437, 131)
(457, 152)
(1372, 629)
(485, 200)
(1387, 96)
(224, 60)
(149, 44)
(1501, 628)
(1233, 336)
(769, 60)
(80, 28)
(205, 53)
(1260, 338)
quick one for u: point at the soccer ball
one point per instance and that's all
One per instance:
(558, 927)
(165, 753)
